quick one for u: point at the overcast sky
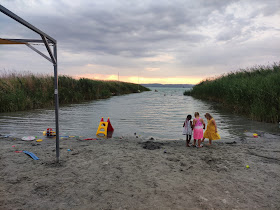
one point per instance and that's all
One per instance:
(164, 41)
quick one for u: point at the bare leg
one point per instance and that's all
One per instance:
(203, 139)
(210, 142)
(199, 140)
(194, 142)
(188, 140)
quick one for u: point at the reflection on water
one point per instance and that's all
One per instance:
(159, 114)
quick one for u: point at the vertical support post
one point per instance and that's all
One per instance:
(56, 101)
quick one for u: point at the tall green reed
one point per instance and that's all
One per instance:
(253, 92)
(28, 91)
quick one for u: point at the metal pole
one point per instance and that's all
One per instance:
(47, 40)
(49, 49)
(56, 102)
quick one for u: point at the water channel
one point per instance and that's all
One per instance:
(149, 114)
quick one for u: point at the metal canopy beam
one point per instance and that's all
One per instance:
(26, 40)
(47, 40)
(49, 50)
(23, 22)
(39, 52)
(9, 41)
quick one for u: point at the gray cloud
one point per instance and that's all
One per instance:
(121, 34)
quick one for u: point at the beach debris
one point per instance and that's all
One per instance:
(91, 139)
(233, 142)
(255, 135)
(31, 155)
(69, 150)
(28, 138)
(49, 133)
(151, 138)
(150, 145)
(13, 146)
(203, 198)
(224, 201)
(247, 166)
(164, 151)
(5, 136)
(222, 168)
(18, 151)
(134, 134)
(39, 140)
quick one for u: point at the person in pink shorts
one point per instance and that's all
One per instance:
(198, 126)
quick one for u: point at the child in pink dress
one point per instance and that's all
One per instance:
(198, 126)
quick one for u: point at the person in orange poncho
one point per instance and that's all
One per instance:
(211, 132)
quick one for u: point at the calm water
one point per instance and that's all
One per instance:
(158, 114)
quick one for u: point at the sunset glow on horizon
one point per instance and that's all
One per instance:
(141, 80)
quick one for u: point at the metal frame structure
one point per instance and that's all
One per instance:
(47, 41)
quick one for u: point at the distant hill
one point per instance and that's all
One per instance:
(169, 85)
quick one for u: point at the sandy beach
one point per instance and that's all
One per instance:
(134, 173)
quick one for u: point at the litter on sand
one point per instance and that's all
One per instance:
(28, 138)
(31, 155)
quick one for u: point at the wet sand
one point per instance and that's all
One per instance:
(133, 173)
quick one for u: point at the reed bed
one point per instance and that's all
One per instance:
(254, 92)
(27, 91)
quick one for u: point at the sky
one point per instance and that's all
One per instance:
(144, 41)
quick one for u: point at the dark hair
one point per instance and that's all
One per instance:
(189, 117)
(196, 114)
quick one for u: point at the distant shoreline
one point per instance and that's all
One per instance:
(169, 85)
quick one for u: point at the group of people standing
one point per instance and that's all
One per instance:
(196, 127)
